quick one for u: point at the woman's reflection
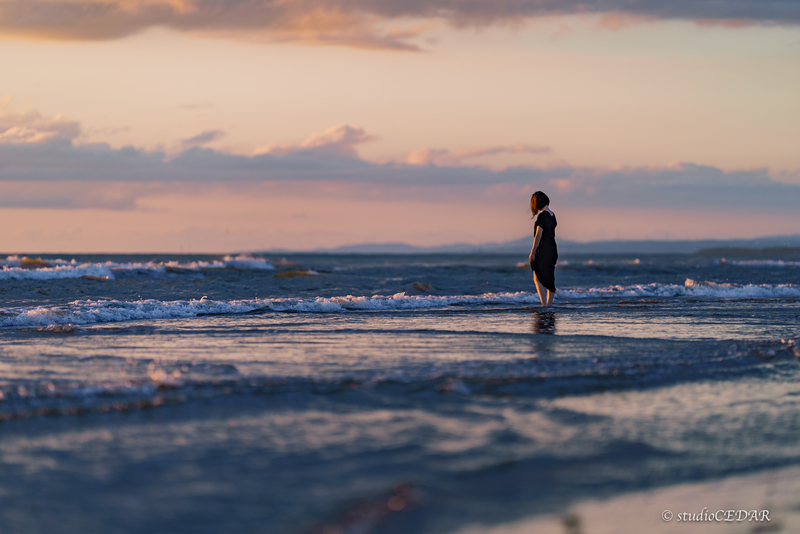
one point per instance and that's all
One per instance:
(544, 322)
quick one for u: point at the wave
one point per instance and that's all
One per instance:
(16, 268)
(82, 312)
(760, 263)
(690, 288)
(151, 383)
(101, 311)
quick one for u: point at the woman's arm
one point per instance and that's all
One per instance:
(536, 239)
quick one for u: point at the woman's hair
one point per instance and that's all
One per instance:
(538, 201)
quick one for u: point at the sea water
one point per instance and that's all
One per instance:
(394, 393)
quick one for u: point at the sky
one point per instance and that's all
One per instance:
(240, 125)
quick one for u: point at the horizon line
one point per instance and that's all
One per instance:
(423, 249)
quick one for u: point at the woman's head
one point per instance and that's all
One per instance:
(538, 202)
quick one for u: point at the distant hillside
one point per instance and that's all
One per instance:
(522, 246)
(714, 246)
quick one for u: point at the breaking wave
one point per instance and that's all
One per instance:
(16, 268)
(100, 311)
(690, 288)
(83, 312)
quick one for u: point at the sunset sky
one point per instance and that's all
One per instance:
(234, 125)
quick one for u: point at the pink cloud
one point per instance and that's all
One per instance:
(43, 149)
(618, 20)
(30, 126)
(360, 23)
(203, 138)
(456, 158)
(340, 140)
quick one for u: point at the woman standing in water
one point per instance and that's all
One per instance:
(544, 252)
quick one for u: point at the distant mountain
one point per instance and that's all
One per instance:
(680, 247)
(522, 246)
(456, 248)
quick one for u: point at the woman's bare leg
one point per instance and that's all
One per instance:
(544, 297)
(550, 297)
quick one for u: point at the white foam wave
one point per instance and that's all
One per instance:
(84, 312)
(16, 268)
(56, 272)
(690, 288)
(761, 263)
(243, 262)
(100, 311)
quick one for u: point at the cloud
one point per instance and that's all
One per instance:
(338, 141)
(680, 186)
(451, 158)
(789, 176)
(360, 23)
(327, 158)
(26, 127)
(40, 149)
(311, 21)
(115, 196)
(202, 138)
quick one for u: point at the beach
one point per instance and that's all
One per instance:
(397, 393)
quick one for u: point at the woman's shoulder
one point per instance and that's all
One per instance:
(545, 217)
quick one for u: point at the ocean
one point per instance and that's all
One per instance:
(398, 393)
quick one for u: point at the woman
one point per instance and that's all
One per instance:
(544, 253)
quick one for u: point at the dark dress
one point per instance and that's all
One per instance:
(544, 263)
